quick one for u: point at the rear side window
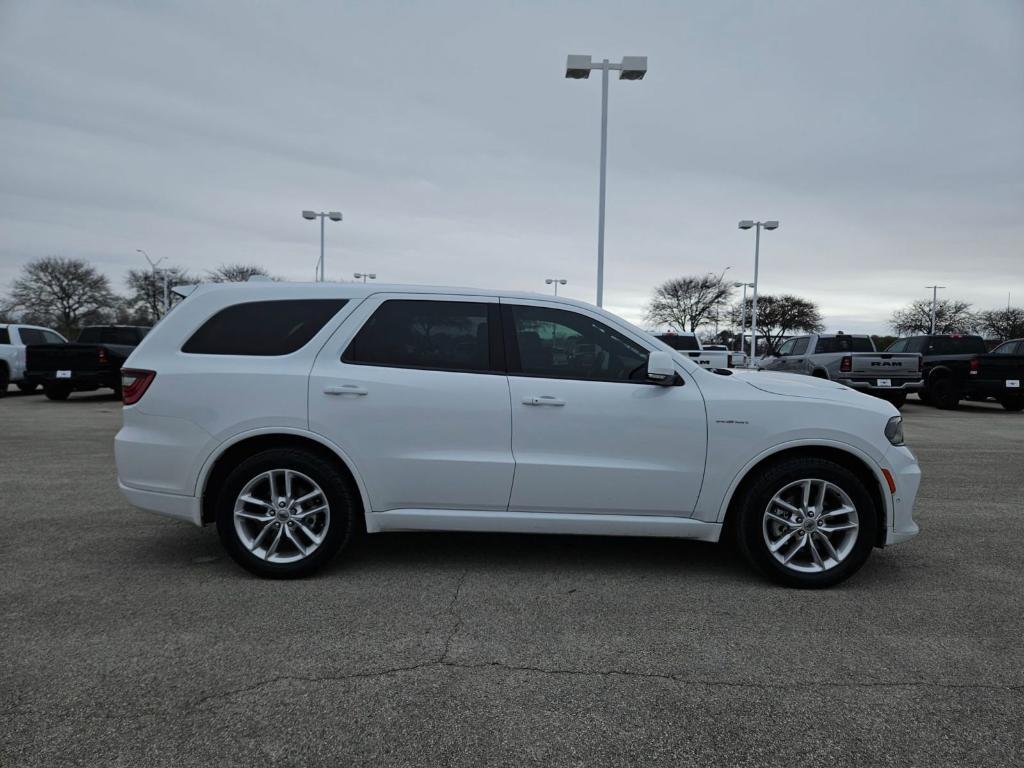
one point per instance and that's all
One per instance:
(127, 336)
(5, 336)
(844, 343)
(436, 335)
(263, 328)
(956, 345)
(33, 336)
(90, 335)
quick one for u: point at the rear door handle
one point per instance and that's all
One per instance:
(346, 389)
(543, 400)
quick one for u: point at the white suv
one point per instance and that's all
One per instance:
(296, 416)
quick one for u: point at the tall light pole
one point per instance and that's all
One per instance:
(310, 216)
(743, 310)
(365, 275)
(935, 301)
(556, 281)
(153, 265)
(579, 68)
(747, 224)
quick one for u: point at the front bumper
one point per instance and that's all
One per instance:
(907, 476)
(185, 508)
(871, 385)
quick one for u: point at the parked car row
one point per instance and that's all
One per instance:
(942, 369)
(31, 356)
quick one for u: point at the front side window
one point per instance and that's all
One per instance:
(434, 335)
(801, 346)
(787, 348)
(898, 346)
(262, 328)
(559, 344)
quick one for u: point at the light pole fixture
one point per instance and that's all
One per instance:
(757, 225)
(935, 301)
(365, 275)
(743, 311)
(555, 281)
(153, 265)
(312, 215)
(579, 68)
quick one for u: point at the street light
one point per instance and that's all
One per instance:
(556, 281)
(579, 68)
(743, 310)
(748, 224)
(365, 275)
(935, 300)
(310, 216)
(153, 265)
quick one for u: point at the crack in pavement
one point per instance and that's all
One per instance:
(453, 612)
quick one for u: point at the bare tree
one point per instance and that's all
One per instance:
(780, 316)
(686, 303)
(63, 293)
(1003, 324)
(236, 273)
(145, 299)
(951, 316)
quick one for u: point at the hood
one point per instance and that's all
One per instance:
(797, 385)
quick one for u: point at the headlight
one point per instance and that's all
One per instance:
(894, 430)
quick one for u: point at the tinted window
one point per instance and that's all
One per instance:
(683, 343)
(5, 336)
(438, 335)
(33, 336)
(1009, 348)
(52, 338)
(89, 335)
(127, 335)
(801, 346)
(956, 345)
(263, 328)
(898, 346)
(558, 344)
(844, 343)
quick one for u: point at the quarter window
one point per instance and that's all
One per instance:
(435, 335)
(558, 344)
(263, 328)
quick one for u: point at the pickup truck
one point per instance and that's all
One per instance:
(13, 340)
(94, 360)
(851, 360)
(688, 345)
(958, 367)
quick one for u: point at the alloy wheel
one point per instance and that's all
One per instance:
(810, 525)
(281, 516)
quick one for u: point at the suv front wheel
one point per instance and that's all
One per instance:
(807, 522)
(284, 512)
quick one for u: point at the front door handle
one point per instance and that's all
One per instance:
(543, 400)
(346, 389)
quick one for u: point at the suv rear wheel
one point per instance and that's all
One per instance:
(285, 512)
(807, 522)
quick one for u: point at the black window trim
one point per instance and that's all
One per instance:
(495, 349)
(515, 365)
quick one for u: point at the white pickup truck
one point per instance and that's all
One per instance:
(13, 340)
(688, 345)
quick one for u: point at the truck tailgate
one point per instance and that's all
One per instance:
(887, 365)
(41, 358)
(1005, 368)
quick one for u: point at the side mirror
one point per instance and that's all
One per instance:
(660, 368)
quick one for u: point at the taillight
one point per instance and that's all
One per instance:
(103, 356)
(846, 364)
(975, 366)
(134, 384)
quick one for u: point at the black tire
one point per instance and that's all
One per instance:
(1014, 404)
(896, 398)
(55, 391)
(943, 394)
(28, 387)
(5, 380)
(750, 522)
(924, 396)
(342, 499)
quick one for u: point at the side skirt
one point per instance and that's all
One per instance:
(541, 522)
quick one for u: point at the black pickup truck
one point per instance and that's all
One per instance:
(958, 367)
(92, 361)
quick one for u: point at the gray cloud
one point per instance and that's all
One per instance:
(885, 136)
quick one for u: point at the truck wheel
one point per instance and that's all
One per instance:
(27, 386)
(285, 512)
(55, 391)
(1014, 404)
(807, 522)
(896, 398)
(944, 394)
(924, 396)
(5, 380)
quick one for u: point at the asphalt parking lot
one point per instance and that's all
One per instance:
(131, 640)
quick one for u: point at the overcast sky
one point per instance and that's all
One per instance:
(888, 138)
